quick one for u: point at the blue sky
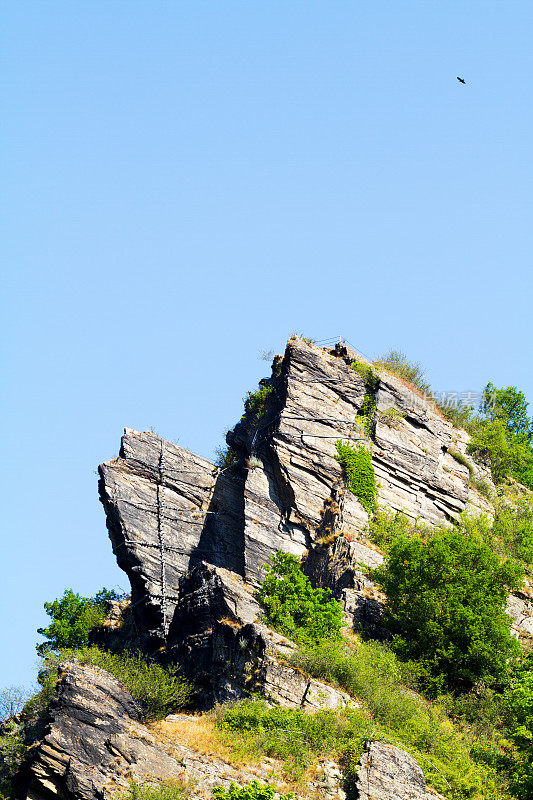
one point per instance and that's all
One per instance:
(187, 183)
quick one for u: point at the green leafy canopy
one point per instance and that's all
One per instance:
(292, 605)
(446, 599)
(73, 617)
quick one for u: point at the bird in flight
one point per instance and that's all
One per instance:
(461, 80)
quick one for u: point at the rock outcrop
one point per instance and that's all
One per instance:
(168, 509)
(193, 540)
(96, 744)
(95, 741)
(386, 772)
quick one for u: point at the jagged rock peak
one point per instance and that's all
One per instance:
(168, 509)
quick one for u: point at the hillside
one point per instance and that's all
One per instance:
(330, 456)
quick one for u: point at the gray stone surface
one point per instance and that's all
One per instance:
(94, 742)
(219, 636)
(386, 772)
(167, 509)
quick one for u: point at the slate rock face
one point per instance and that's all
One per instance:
(220, 638)
(168, 509)
(386, 772)
(95, 740)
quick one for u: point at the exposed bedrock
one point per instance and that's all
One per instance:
(168, 509)
(96, 744)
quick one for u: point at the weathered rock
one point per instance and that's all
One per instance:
(219, 637)
(94, 742)
(386, 772)
(166, 509)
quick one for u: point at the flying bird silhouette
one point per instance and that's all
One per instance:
(461, 80)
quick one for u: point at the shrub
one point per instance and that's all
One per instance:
(504, 435)
(446, 597)
(461, 459)
(292, 605)
(358, 472)
(482, 486)
(372, 673)
(396, 362)
(518, 702)
(513, 529)
(385, 526)
(73, 617)
(371, 381)
(12, 752)
(158, 690)
(289, 734)
(255, 402)
(252, 791)
(226, 457)
(391, 417)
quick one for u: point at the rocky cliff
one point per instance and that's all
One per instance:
(168, 509)
(193, 539)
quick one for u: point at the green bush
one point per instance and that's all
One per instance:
(73, 617)
(291, 735)
(503, 435)
(158, 690)
(167, 790)
(372, 673)
(396, 362)
(461, 459)
(359, 474)
(518, 702)
(385, 526)
(252, 791)
(293, 607)
(255, 402)
(12, 752)
(226, 457)
(446, 598)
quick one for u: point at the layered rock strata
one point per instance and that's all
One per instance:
(168, 509)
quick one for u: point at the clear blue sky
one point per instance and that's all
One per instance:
(186, 183)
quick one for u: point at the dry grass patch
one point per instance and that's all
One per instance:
(200, 734)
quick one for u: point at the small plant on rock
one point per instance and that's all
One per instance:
(358, 471)
(292, 605)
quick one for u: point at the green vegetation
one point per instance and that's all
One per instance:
(291, 735)
(502, 435)
(253, 791)
(356, 462)
(391, 417)
(73, 617)
(449, 756)
(372, 673)
(482, 486)
(461, 459)
(385, 527)
(460, 415)
(446, 599)
(158, 690)
(226, 457)
(502, 432)
(12, 751)
(167, 790)
(396, 362)
(255, 402)
(292, 605)
(371, 381)
(518, 703)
